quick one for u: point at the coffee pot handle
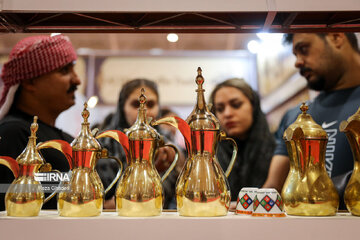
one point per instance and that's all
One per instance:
(60, 145)
(46, 167)
(104, 154)
(173, 164)
(56, 190)
(11, 164)
(234, 154)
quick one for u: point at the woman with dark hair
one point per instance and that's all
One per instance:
(237, 106)
(126, 110)
(124, 117)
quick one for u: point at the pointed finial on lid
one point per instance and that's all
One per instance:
(34, 127)
(304, 108)
(85, 113)
(199, 78)
(142, 98)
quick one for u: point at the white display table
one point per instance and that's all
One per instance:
(171, 226)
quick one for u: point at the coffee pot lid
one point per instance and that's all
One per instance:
(30, 155)
(201, 118)
(85, 141)
(141, 129)
(309, 128)
(353, 122)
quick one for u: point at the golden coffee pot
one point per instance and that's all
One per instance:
(351, 127)
(25, 195)
(202, 187)
(139, 192)
(308, 190)
(83, 195)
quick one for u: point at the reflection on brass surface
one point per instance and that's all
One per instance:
(22, 202)
(202, 188)
(308, 190)
(85, 209)
(351, 127)
(83, 195)
(139, 192)
(25, 196)
(136, 208)
(215, 207)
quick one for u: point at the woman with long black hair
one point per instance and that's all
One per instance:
(237, 106)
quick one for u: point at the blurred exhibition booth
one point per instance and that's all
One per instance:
(107, 61)
(117, 41)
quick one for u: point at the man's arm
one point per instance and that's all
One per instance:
(280, 162)
(278, 171)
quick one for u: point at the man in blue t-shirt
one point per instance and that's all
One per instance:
(330, 62)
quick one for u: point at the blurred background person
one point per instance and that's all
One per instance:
(124, 117)
(330, 62)
(237, 106)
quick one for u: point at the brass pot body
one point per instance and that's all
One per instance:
(351, 127)
(83, 195)
(140, 192)
(308, 190)
(202, 189)
(25, 195)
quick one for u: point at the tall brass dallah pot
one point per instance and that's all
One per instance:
(25, 195)
(83, 195)
(139, 192)
(202, 188)
(308, 190)
(351, 127)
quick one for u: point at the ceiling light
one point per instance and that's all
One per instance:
(271, 43)
(54, 34)
(271, 37)
(92, 101)
(253, 46)
(172, 37)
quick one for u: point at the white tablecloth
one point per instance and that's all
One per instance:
(171, 226)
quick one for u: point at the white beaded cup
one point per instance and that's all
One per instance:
(268, 203)
(245, 200)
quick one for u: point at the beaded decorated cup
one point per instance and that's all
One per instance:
(245, 200)
(268, 203)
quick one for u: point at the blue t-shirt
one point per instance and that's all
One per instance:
(328, 110)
